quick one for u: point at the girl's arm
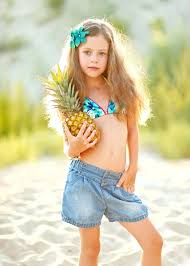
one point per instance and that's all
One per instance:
(133, 142)
(127, 180)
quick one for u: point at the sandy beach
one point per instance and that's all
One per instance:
(33, 234)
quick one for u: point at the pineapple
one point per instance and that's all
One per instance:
(67, 101)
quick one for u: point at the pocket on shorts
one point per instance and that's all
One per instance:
(129, 196)
(129, 193)
(73, 176)
(123, 191)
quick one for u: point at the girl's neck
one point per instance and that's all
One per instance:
(95, 83)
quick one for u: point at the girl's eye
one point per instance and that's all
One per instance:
(87, 52)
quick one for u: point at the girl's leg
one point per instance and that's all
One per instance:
(148, 238)
(90, 246)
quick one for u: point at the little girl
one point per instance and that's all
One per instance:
(98, 181)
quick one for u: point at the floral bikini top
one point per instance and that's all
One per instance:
(94, 110)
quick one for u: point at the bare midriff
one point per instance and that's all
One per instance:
(110, 151)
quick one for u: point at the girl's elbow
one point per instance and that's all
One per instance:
(132, 130)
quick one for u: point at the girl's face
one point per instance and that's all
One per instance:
(93, 55)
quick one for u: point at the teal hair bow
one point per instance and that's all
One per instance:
(78, 36)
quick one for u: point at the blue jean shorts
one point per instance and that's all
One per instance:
(90, 192)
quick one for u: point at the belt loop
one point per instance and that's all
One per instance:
(105, 173)
(79, 165)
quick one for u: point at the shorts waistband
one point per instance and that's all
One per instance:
(95, 170)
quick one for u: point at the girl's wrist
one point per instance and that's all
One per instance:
(133, 167)
(73, 153)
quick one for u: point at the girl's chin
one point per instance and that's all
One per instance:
(94, 74)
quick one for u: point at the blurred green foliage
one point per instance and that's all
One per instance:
(17, 113)
(171, 143)
(23, 128)
(169, 68)
(29, 146)
(12, 44)
(121, 25)
(54, 5)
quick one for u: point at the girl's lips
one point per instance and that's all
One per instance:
(93, 68)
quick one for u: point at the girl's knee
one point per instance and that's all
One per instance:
(155, 242)
(158, 241)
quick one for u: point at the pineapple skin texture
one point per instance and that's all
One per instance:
(75, 120)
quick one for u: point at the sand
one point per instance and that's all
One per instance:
(33, 234)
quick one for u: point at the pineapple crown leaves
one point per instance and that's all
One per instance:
(62, 91)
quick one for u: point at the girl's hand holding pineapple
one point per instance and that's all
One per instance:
(81, 142)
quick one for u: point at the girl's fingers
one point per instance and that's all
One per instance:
(120, 182)
(88, 131)
(66, 130)
(130, 189)
(92, 143)
(91, 135)
(82, 129)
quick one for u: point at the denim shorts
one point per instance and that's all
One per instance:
(90, 192)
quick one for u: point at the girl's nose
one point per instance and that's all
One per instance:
(94, 58)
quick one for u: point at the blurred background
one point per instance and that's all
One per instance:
(32, 34)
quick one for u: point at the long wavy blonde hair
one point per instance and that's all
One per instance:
(124, 74)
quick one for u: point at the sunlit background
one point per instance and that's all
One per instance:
(32, 34)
